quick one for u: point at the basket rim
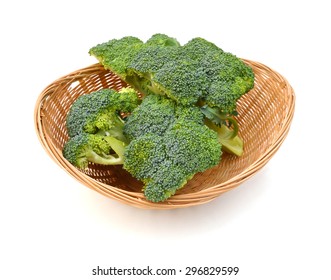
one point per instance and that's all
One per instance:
(137, 198)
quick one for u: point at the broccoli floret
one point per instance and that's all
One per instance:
(164, 185)
(146, 63)
(159, 39)
(128, 100)
(229, 78)
(165, 163)
(203, 72)
(197, 72)
(116, 54)
(154, 115)
(180, 80)
(189, 113)
(193, 147)
(99, 112)
(84, 148)
(197, 48)
(144, 155)
(157, 51)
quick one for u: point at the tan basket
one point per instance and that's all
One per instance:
(265, 115)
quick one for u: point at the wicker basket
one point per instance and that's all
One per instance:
(265, 115)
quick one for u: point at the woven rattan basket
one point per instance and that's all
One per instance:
(265, 115)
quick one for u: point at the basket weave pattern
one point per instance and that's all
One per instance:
(265, 115)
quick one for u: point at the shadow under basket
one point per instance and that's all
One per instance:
(264, 117)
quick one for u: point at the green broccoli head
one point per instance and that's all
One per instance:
(165, 163)
(127, 100)
(99, 112)
(150, 59)
(189, 113)
(84, 148)
(192, 146)
(204, 72)
(154, 115)
(116, 54)
(165, 182)
(198, 71)
(229, 77)
(144, 155)
(159, 39)
(180, 80)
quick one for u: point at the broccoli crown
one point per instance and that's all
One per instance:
(144, 155)
(151, 58)
(180, 80)
(116, 54)
(159, 39)
(197, 71)
(192, 146)
(98, 112)
(229, 78)
(127, 100)
(197, 48)
(189, 113)
(153, 115)
(165, 182)
(205, 72)
(166, 162)
(156, 114)
(84, 148)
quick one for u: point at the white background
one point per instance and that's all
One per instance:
(274, 226)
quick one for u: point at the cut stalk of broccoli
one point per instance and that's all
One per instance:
(84, 148)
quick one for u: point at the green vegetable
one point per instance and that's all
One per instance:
(154, 115)
(84, 148)
(166, 162)
(99, 112)
(198, 73)
(116, 54)
(182, 121)
(95, 127)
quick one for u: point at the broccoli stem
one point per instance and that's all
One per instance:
(219, 118)
(117, 146)
(106, 160)
(112, 159)
(116, 130)
(233, 145)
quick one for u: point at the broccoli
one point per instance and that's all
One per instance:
(95, 127)
(99, 112)
(84, 148)
(159, 39)
(196, 71)
(116, 54)
(166, 162)
(204, 72)
(156, 114)
(182, 121)
(180, 80)
(199, 73)
(226, 127)
(165, 182)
